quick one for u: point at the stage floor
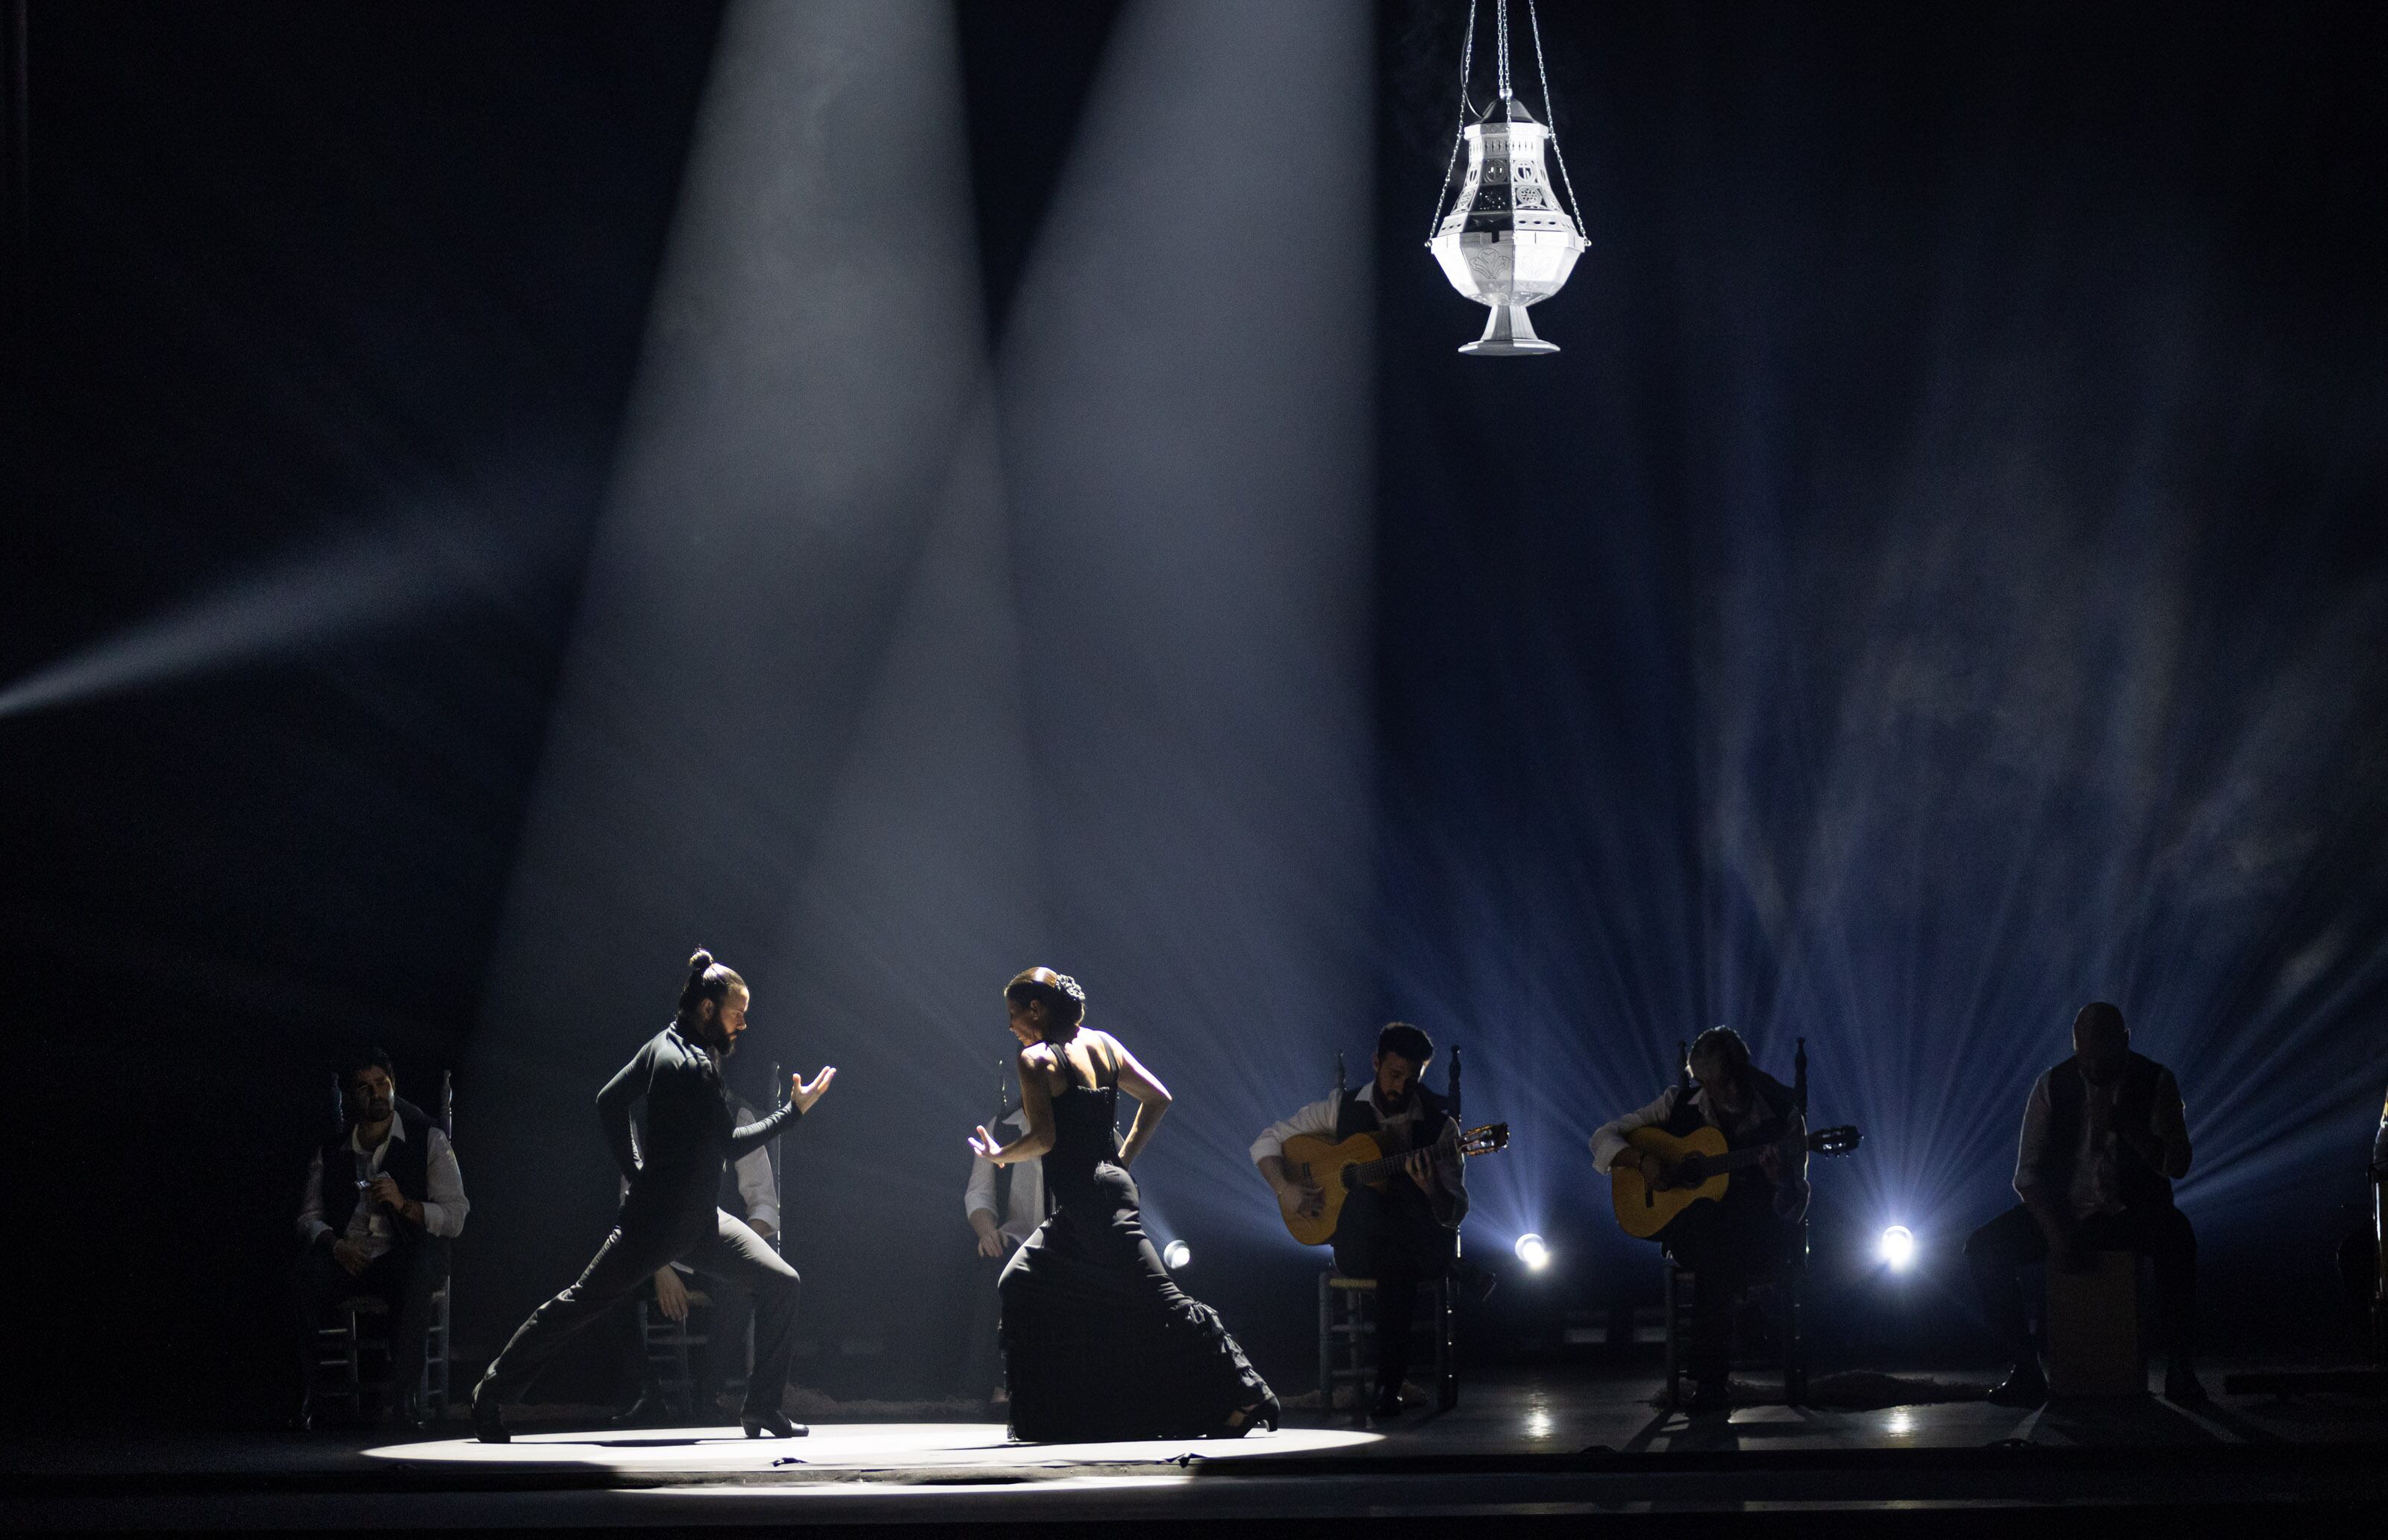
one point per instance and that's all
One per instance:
(1542, 1446)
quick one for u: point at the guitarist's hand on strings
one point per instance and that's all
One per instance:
(1300, 1200)
(1654, 1170)
(1419, 1164)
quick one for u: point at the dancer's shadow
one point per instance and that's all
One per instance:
(2125, 1421)
(1707, 1434)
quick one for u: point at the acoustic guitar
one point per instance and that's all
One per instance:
(1361, 1161)
(1697, 1169)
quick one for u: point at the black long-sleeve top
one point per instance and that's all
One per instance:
(690, 1134)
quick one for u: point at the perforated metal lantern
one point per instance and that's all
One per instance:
(1508, 243)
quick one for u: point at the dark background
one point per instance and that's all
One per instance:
(1941, 581)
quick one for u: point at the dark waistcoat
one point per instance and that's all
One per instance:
(2141, 1184)
(1355, 1115)
(406, 1164)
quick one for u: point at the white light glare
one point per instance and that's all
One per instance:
(1532, 1252)
(1897, 1246)
(1176, 1254)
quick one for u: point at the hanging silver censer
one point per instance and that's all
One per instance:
(1507, 242)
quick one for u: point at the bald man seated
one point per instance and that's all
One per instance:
(2105, 1137)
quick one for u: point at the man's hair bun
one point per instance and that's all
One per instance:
(706, 981)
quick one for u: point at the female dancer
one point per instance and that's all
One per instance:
(1098, 1342)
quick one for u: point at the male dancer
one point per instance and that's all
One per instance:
(668, 1214)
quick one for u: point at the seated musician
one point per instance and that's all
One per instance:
(382, 1201)
(1754, 1230)
(2105, 1137)
(1404, 1234)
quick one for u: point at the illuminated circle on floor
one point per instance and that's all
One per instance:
(839, 1445)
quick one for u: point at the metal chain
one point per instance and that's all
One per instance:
(1502, 28)
(1467, 63)
(1550, 117)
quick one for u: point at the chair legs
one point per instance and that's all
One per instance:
(667, 1346)
(1684, 1302)
(337, 1371)
(1347, 1338)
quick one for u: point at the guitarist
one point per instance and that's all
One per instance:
(1404, 1234)
(1754, 1230)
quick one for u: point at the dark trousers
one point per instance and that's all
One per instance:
(2158, 1232)
(404, 1278)
(1391, 1237)
(1728, 1247)
(727, 1255)
(724, 1359)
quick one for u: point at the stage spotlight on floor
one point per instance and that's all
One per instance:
(1532, 1252)
(1897, 1246)
(1176, 1254)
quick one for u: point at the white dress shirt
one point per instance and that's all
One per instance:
(444, 1205)
(1318, 1120)
(1027, 1203)
(2097, 1186)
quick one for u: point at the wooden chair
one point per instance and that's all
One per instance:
(669, 1348)
(351, 1362)
(1347, 1337)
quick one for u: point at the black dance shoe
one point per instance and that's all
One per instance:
(1267, 1409)
(2024, 1387)
(773, 1423)
(302, 1419)
(489, 1424)
(1708, 1397)
(2183, 1388)
(1389, 1403)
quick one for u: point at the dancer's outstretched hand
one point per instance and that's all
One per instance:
(983, 1144)
(806, 1096)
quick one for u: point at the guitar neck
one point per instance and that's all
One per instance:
(1733, 1160)
(1364, 1172)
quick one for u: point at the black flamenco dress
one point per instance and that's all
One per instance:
(1098, 1342)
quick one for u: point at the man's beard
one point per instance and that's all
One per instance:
(1394, 1101)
